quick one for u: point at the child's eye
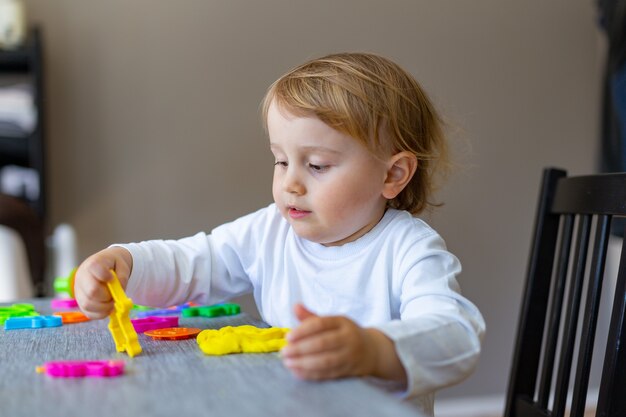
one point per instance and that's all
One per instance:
(280, 163)
(318, 168)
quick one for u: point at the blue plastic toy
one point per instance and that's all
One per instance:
(36, 322)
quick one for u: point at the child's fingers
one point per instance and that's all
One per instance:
(93, 298)
(98, 310)
(319, 343)
(99, 268)
(302, 313)
(93, 290)
(325, 365)
(312, 326)
(311, 323)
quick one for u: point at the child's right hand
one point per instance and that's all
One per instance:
(90, 289)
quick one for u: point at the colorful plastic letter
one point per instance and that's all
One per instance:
(121, 328)
(80, 369)
(65, 285)
(170, 311)
(17, 310)
(217, 310)
(36, 322)
(173, 333)
(138, 307)
(63, 303)
(71, 316)
(152, 323)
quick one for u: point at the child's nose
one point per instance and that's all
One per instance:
(292, 182)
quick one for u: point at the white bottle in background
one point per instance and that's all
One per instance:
(63, 248)
(12, 24)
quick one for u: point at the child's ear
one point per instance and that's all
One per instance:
(400, 169)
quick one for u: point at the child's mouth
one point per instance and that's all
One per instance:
(296, 213)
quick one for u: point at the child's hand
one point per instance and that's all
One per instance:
(328, 347)
(90, 289)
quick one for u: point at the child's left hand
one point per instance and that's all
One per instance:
(329, 347)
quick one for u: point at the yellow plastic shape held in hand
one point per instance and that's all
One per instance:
(241, 339)
(120, 326)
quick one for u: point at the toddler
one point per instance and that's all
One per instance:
(367, 288)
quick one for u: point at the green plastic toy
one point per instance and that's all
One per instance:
(17, 310)
(217, 310)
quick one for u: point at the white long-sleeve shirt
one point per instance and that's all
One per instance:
(398, 278)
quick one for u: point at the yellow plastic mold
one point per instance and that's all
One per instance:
(120, 326)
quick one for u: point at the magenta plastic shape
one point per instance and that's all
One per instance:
(81, 369)
(152, 323)
(63, 303)
(34, 322)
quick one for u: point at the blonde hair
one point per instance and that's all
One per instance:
(375, 101)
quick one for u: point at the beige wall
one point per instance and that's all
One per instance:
(154, 128)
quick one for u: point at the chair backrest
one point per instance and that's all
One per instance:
(561, 302)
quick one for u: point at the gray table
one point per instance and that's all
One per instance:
(169, 378)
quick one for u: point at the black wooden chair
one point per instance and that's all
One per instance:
(562, 298)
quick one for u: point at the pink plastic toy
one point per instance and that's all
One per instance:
(152, 323)
(63, 303)
(81, 369)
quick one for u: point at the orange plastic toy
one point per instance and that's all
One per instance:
(173, 333)
(71, 316)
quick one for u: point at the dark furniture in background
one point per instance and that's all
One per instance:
(27, 216)
(561, 301)
(27, 151)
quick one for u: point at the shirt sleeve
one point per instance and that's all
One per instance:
(438, 337)
(172, 272)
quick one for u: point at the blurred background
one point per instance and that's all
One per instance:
(153, 130)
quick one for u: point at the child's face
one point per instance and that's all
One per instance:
(326, 184)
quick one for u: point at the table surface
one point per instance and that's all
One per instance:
(169, 378)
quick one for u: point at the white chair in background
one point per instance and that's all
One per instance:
(15, 278)
(15, 275)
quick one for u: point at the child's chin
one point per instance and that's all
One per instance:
(307, 235)
(321, 241)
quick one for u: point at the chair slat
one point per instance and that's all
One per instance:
(612, 398)
(590, 319)
(571, 318)
(555, 311)
(523, 373)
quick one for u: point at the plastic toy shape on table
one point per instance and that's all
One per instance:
(143, 311)
(152, 323)
(80, 369)
(217, 310)
(35, 322)
(65, 285)
(63, 303)
(71, 316)
(17, 310)
(121, 328)
(242, 339)
(173, 333)
(138, 307)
